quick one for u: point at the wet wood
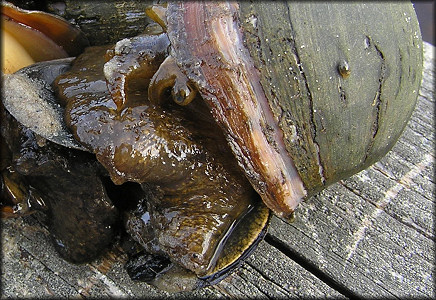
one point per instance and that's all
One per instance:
(104, 22)
(369, 236)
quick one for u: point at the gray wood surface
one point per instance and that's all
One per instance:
(371, 235)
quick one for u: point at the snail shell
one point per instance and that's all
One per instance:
(307, 93)
(32, 36)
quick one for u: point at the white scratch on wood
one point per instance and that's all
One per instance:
(113, 288)
(359, 235)
(404, 182)
(362, 176)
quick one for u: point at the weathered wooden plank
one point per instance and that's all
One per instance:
(360, 247)
(100, 20)
(271, 274)
(373, 234)
(29, 255)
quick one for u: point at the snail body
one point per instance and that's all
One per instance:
(200, 191)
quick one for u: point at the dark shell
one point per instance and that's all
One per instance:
(337, 125)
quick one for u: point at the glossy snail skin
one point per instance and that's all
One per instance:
(32, 36)
(201, 191)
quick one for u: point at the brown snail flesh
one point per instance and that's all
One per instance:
(199, 196)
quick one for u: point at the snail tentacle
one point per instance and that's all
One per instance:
(170, 76)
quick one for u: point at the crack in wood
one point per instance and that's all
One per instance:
(267, 279)
(243, 267)
(309, 266)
